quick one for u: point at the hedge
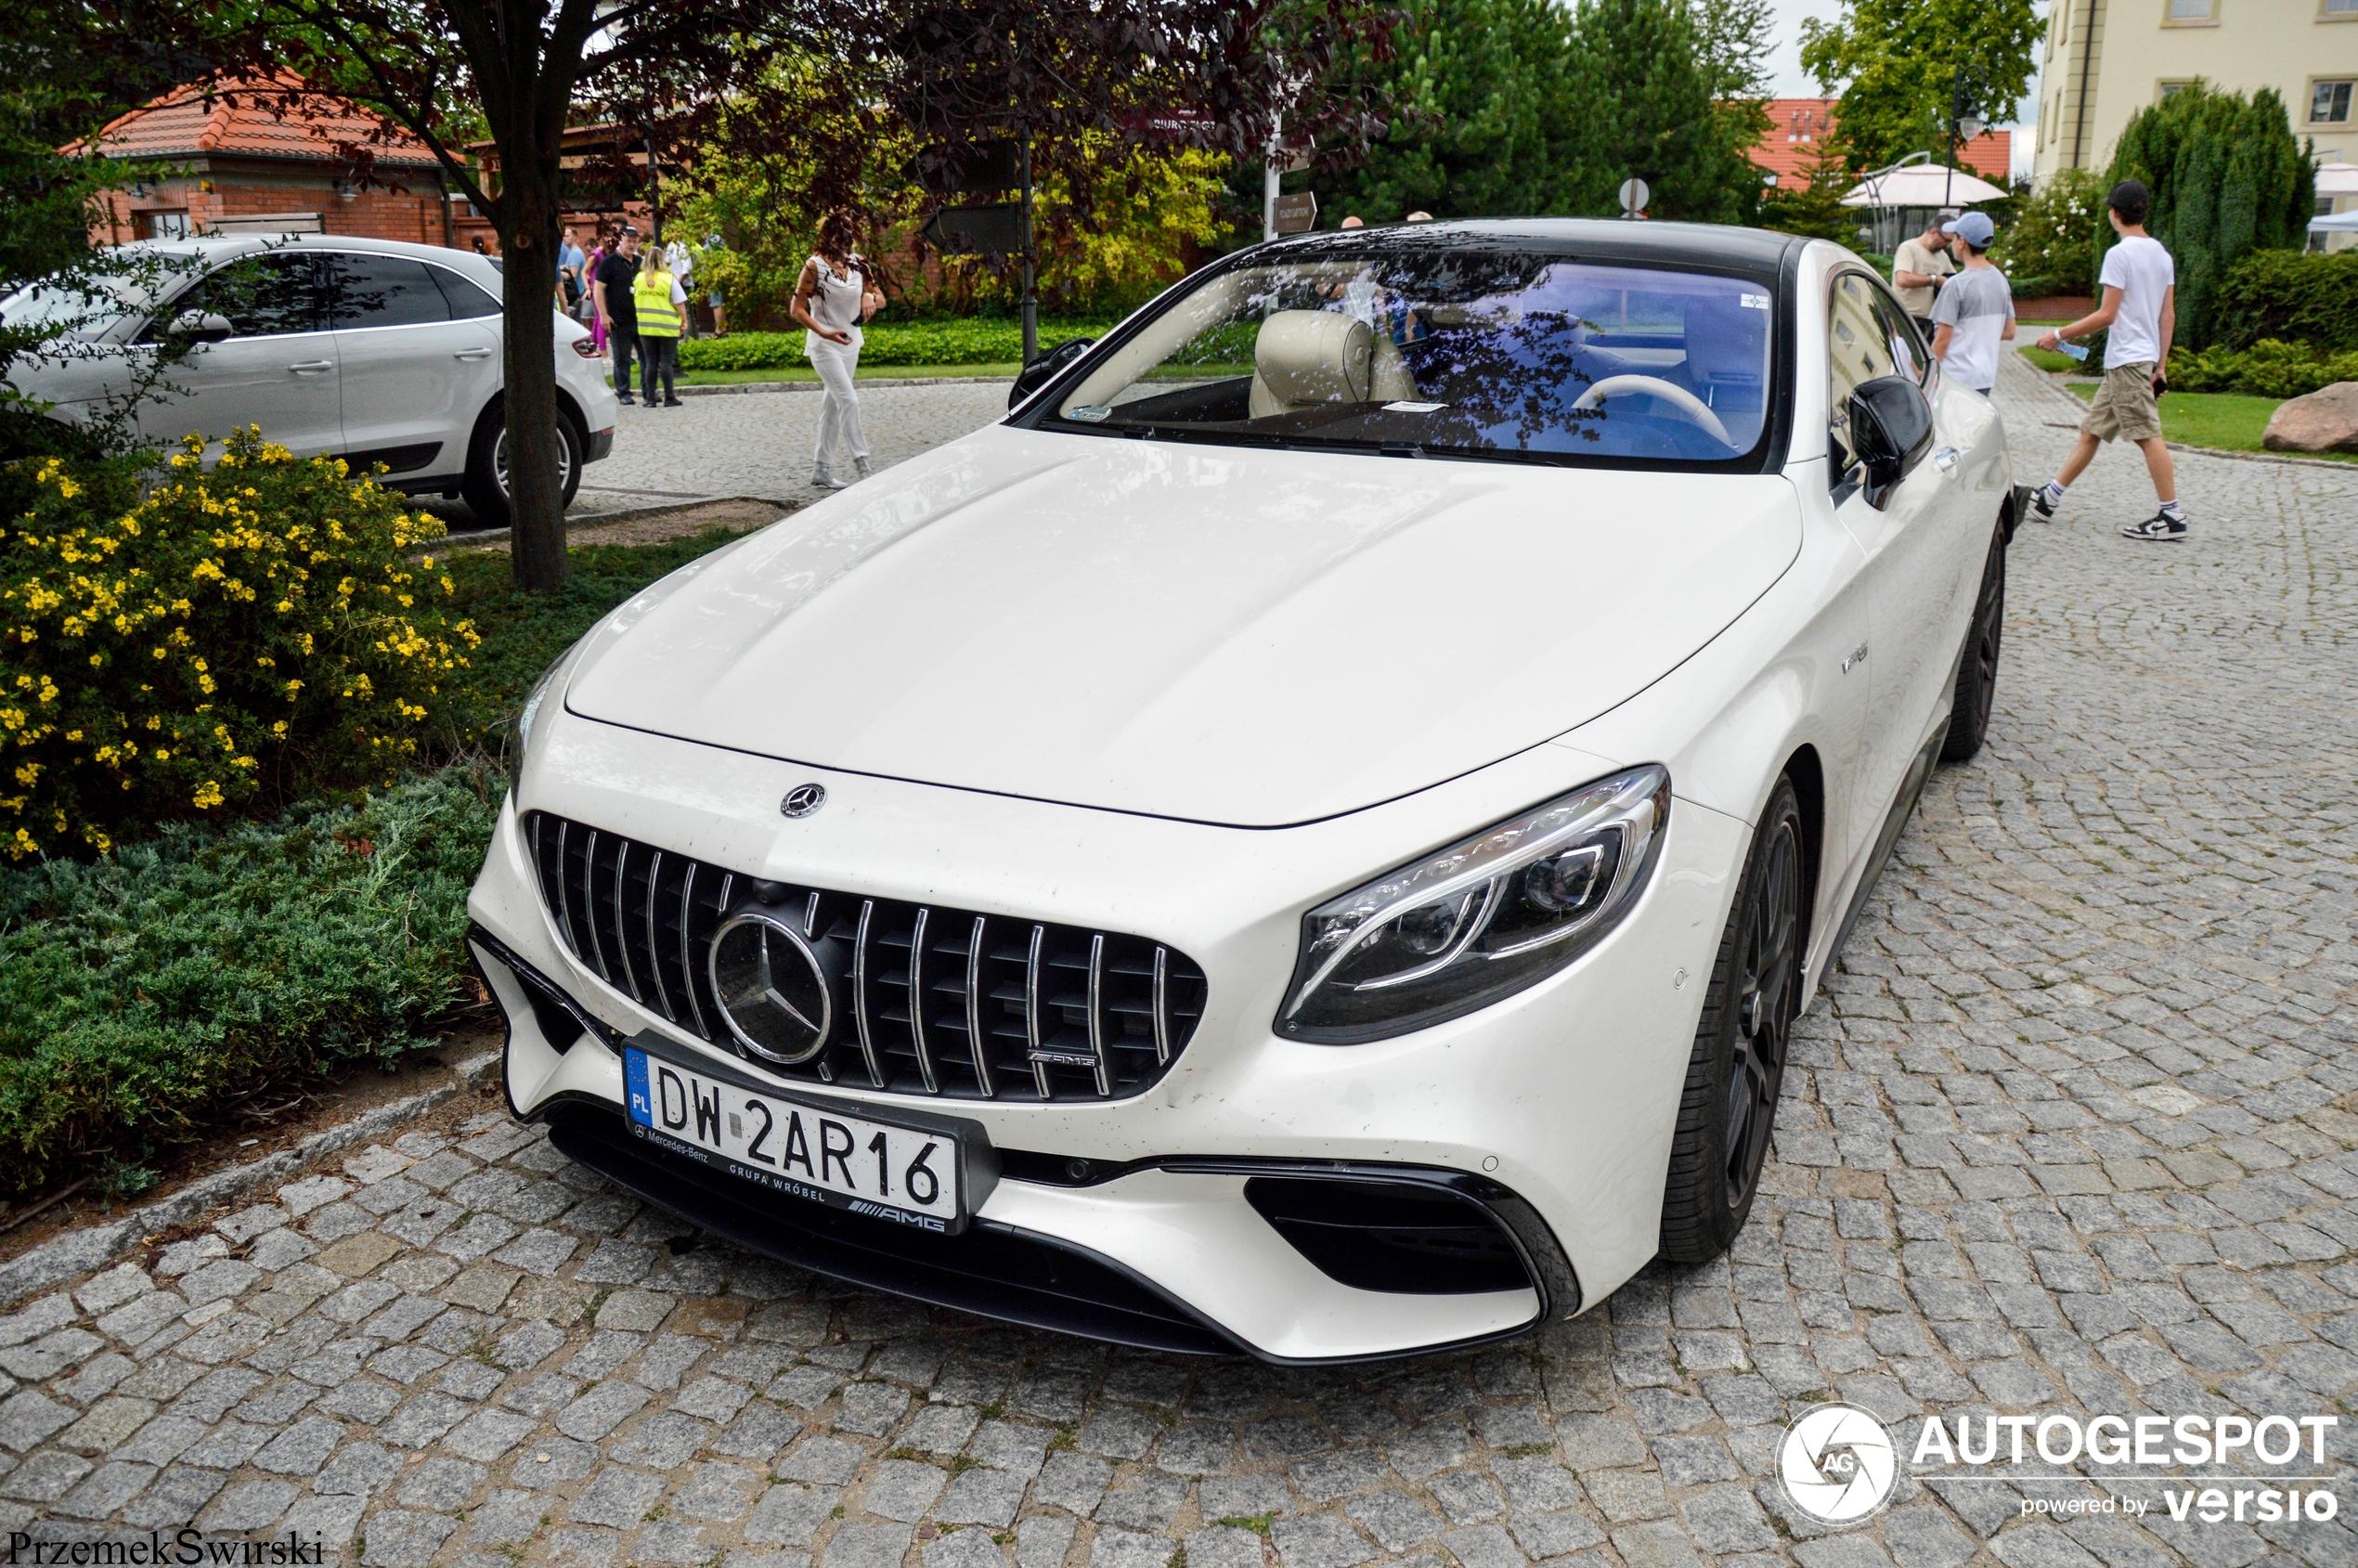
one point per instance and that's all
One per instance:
(2268, 369)
(239, 631)
(970, 341)
(2294, 296)
(140, 991)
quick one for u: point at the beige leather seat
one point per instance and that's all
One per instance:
(1304, 358)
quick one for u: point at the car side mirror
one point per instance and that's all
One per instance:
(202, 326)
(1046, 368)
(1890, 428)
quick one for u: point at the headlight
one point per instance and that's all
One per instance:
(520, 728)
(1480, 920)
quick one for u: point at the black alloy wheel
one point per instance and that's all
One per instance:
(1976, 694)
(1737, 1069)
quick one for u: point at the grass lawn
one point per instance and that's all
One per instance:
(2230, 421)
(866, 372)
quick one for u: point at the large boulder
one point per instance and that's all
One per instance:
(2325, 421)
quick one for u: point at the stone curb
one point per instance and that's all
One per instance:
(81, 1251)
(498, 536)
(813, 386)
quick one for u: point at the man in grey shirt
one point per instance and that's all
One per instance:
(1976, 310)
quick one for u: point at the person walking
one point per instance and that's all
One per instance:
(569, 265)
(655, 300)
(1976, 310)
(591, 316)
(720, 320)
(2140, 306)
(617, 274)
(832, 298)
(1918, 265)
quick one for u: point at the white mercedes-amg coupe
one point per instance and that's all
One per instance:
(1309, 837)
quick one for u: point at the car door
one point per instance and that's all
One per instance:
(415, 371)
(277, 368)
(1909, 579)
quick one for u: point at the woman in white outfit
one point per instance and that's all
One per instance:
(832, 298)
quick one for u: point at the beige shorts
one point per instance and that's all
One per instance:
(2124, 408)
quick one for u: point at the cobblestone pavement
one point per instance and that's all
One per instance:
(2071, 1132)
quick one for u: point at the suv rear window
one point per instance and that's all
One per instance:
(371, 291)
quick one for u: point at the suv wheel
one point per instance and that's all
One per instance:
(487, 483)
(1738, 1067)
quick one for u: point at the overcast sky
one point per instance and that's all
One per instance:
(1792, 82)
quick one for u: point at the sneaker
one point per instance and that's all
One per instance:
(2160, 525)
(623, 398)
(859, 467)
(824, 479)
(673, 403)
(2040, 505)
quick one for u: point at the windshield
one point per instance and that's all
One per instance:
(1481, 352)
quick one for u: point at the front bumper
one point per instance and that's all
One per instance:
(1135, 1219)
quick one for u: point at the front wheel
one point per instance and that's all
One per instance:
(485, 486)
(1738, 1066)
(1976, 694)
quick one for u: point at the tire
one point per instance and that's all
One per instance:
(1738, 1068)
(485, 486)
(1976, 693)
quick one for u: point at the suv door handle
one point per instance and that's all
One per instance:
(473, 353)
(312, 366)
(1945, 458)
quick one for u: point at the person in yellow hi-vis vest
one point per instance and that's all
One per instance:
(658, 297)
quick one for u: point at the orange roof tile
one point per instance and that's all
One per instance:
(191, 121)
(1798, 129)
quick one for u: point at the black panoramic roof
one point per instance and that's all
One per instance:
(1699, 244)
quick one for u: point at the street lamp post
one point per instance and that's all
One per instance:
(1965, 125)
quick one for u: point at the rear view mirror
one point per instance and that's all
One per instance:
(202, 326)
(1890, 427)
(1046, 368)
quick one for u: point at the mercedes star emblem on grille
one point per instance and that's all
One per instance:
(803, 799)
(774, 990)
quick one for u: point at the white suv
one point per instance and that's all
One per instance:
(376, 351)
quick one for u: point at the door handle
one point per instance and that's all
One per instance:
(473, 353)
(1945, 458)
(312, 366)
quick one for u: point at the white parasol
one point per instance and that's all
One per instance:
(1923, 185)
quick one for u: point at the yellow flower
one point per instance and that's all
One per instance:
(208, 795)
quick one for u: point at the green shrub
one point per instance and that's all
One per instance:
(139, 991)
(244, 630)
(2049, 240)
(2227, 178)
(973, 340)
(2268, 369)
(2294, 296)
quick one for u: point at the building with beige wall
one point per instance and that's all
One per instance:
(2106, 59)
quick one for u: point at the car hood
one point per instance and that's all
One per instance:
(1224, 635)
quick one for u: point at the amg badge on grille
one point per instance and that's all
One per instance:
(803, 799)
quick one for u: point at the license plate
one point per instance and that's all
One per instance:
(813, 1150)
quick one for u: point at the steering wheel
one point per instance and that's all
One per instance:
(1695, 409)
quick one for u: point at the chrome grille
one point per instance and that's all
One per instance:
(944, 1002)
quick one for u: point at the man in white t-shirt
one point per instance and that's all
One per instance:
(2141, 307)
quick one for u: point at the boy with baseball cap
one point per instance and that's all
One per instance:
(1976, 310)
(2140, 284)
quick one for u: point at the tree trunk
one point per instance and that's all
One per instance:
(535, 493)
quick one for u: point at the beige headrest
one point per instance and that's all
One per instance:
(1315, 357)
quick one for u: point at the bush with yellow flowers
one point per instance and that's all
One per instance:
(180, 642)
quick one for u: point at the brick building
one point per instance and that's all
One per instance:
(1797, 133)
(224, 166)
